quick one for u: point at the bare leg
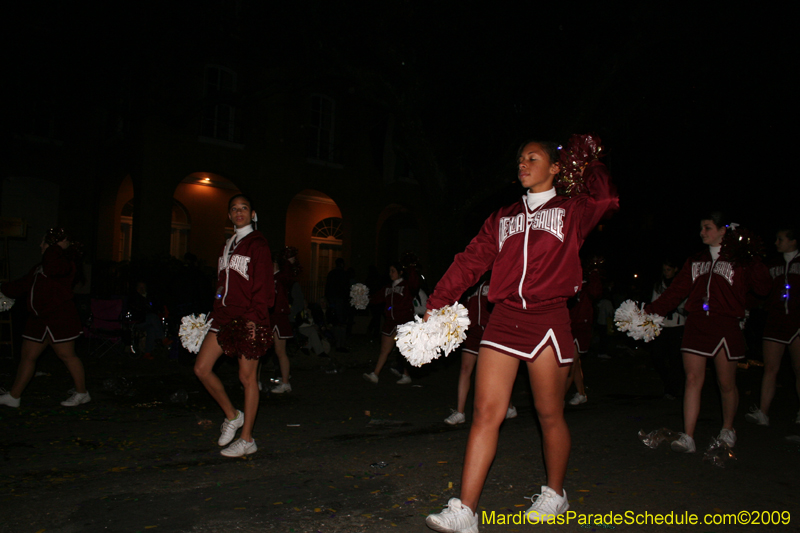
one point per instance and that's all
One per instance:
(66, 352)
(794, 350)
(494, 380)
(576, 375)
(387, 344)
(773, 353)
(283, 358)
(31, 350)
(210, 351)
(695, 368)
(548, 382)
(726, 380)
(247, 375)
(468, 361)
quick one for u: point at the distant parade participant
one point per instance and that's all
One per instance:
(239, 323)
(398, 300)
(783, 321)
(52, 315)
(666, 348)
(532, 249)
(716, 287)
(285, 272)
(479, 309)
(581, 317)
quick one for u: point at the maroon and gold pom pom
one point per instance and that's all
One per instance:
(580, 151)
(234, 339)
(740, 246)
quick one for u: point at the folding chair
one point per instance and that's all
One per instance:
(105, 325)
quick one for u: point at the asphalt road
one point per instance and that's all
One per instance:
(340, 454)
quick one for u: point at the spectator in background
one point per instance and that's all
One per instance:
(146, 316)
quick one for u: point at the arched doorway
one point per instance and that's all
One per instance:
(326, 248)
(203, 197)
(315, 227)
(199, 221)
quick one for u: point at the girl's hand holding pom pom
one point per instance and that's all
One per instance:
(442, 331)
(638, 324)
(192, 331)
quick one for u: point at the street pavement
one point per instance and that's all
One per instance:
(339, 454)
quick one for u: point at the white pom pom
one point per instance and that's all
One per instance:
(626, 315)
(359, 296)
(422, 342)
(6, 303)
(193, 330)
(638, 324)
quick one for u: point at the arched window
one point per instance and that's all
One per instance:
(329, 228)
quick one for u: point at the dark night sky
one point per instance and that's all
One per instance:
(693, 104)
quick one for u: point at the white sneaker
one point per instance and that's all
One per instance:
(281, 388)
(371, 377)
(7, 399)
(546, 506)
(77, 398)
(756, 416)
(405, 380)
(511, 413)
(239, 448)
(455, 518)
(685, 444)
(728, 436)
(578, 399)
(455, 418)
(229, 427)
(396, 372)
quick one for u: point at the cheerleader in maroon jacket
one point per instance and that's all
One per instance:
(716, 289)
(285, 272)
(532, 249)
(479, 310)
(52, 316)
(398, 299)
(239, 323)
(783, 322)
(581, 317)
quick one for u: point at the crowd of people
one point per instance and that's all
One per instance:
(530, 301)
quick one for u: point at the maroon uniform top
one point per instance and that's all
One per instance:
(284, 279)
(48, 284)
(533, 254)
(478, 307)
(583, 310)
(245, 283)
(722, 284)
(398, 299)
(783, 301)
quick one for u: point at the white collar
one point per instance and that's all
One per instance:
(241, 233)
(789, 256)
(238, 235)
(537, 199)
